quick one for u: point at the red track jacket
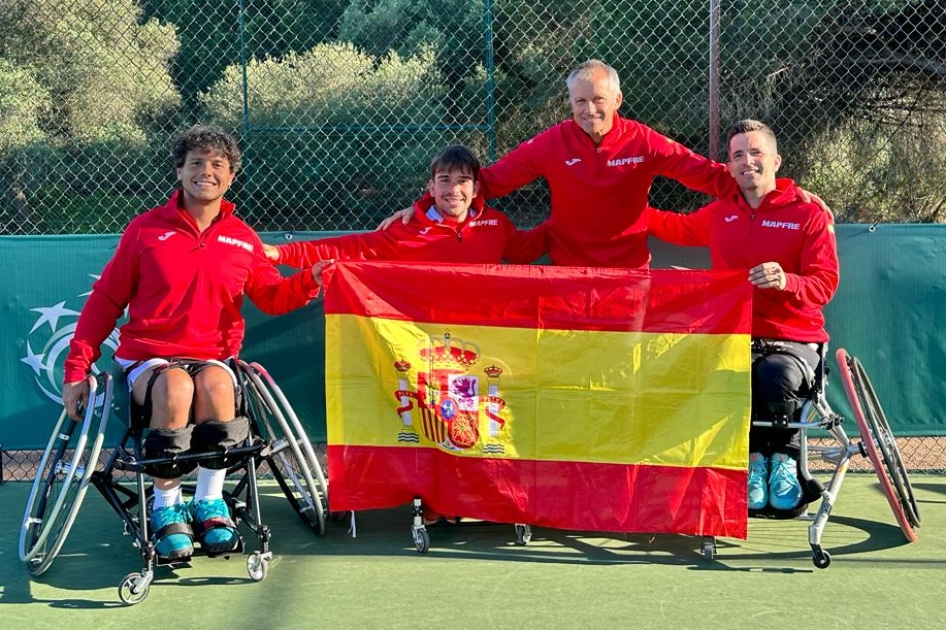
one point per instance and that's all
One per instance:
(183, 289)
(599, 193)
(487, 236)
(797, 235)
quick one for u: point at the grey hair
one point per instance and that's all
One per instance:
(588, 69)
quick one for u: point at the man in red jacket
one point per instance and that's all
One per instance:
(599, 168)
(451, 224)
(788, 248)
(182, 270)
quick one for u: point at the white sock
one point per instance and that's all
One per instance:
(171, 496)
(209, 483)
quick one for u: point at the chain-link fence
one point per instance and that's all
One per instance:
(339, 104)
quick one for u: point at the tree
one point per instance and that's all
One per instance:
(83, 95)
(333, 133)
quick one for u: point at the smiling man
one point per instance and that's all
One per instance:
(787, 247)
(182, 270)
(450, 224)
(599, 168)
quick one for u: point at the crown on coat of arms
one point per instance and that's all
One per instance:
(493, 371)
(401, 365)
(446, 351)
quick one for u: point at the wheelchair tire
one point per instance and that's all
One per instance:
(880, 444)
(134, 588)
(292, 459)
(62, 479)
(421, 540)
(257, 566)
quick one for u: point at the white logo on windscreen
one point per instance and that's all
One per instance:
(47, 345)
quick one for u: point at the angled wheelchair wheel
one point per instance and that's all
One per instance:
(292, 459)
(63, 478)
(880, 444)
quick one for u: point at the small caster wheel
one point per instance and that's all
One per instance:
(134, 589)
(421, 540)
(257, 565)
(821, 559)
(523, 534)
(708, 548)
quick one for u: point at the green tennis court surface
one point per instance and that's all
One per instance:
(476, 577)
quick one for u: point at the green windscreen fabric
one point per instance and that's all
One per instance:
(887, 313)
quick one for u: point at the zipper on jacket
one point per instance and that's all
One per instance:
(459, 235)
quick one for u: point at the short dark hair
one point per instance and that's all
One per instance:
(455, 158)
(745, 126)
(203, 139)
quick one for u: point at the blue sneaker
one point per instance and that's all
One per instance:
(758, 481)
(172, 533)
(784, 489)
(215, 529)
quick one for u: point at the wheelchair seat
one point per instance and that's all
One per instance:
(71, 462)
(876, 443)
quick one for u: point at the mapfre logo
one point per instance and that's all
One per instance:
(782, 225)
(47, 345)
(637, 159)
(229, 240)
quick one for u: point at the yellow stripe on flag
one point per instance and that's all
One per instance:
(560, 395)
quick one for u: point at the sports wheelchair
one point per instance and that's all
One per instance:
(877, 443)
(71, 462)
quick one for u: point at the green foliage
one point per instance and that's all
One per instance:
(78, 52)
(88, 78)
(879, 175)
(334, 131)
(23, 102)
(210, 35)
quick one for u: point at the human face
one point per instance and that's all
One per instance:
(205, 177)
(594, 103)
(753, 162)
(453, 192)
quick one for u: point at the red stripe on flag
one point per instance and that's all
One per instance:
(560, 298)
(561, 495)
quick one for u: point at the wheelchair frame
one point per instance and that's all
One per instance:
(877, 443)
(71, 457)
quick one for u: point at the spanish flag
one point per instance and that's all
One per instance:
(574, 398)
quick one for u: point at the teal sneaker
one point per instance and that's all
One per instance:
(758, 481)
(214, 527)
(172, 534)
(784, 489)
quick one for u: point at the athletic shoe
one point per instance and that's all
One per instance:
(758, 481)
(214, 527)
(784, 489)
(172, 533)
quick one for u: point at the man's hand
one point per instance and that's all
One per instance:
(317, 269)
(768, 276)
(75, 398)
(404, 214)
(272, 254)
(810, 197)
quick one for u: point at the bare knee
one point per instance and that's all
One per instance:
(172, 395)
(214, 396)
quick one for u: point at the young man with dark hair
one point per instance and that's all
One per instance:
(182, 270)
(451, 224)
